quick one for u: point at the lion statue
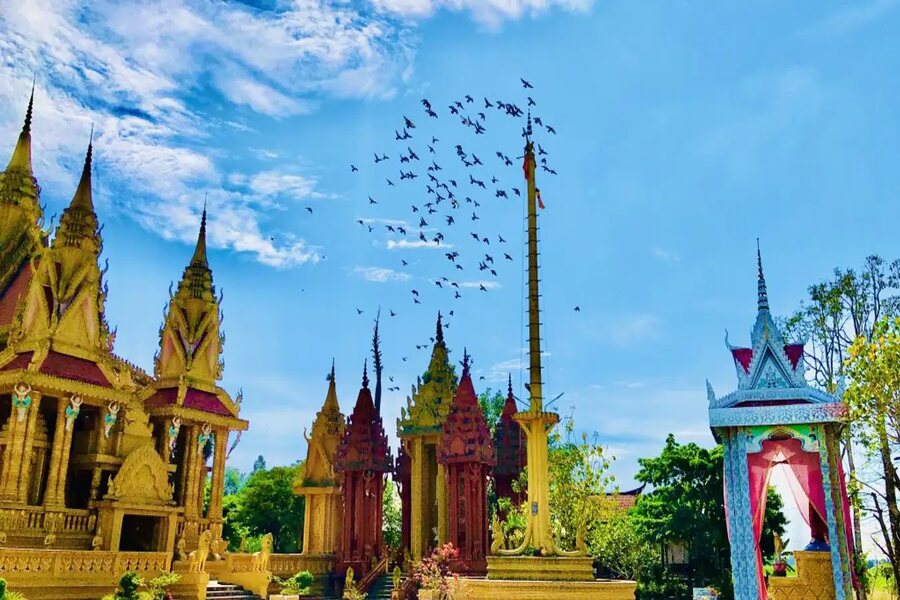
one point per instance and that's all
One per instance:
(261, 558)
(198, 557)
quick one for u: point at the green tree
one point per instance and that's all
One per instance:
(267, 504)
(259, 464)
(839, 311)
(686, 507)
(492, 406)
(234, 481)
(619, 547)
(579, 481)
(874, 402)
(391, 525)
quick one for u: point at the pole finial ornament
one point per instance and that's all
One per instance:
(762, 300)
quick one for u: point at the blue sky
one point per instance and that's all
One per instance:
(685, 130)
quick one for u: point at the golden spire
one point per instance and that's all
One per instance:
(190, 339)
(197, 279)
(199, 257)
(21, 157)
(331, 401)
(78, 224)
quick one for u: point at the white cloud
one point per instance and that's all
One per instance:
(412, 244)
(380, 274)
(488, 12)
(134, 71)
(490, 285)
(277, 183)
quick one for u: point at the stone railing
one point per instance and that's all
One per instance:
(246, 571)
(39, 573)
(34, 563)
(286, 565)
(240, 563)
(36, 519)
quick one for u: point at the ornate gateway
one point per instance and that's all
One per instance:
(776, 421)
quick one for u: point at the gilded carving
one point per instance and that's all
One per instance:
(142, 479)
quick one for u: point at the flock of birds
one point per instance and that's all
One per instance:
(442, 185)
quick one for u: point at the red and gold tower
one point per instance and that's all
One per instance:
(467, 452)
(363, 458)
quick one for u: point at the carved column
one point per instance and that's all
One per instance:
(191, 473)
(9, 474)
(217, 486)
(25, 471)
(418, 485)
(64, 458)
(59, 431)
(443, 500)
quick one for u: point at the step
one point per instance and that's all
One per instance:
(227, 591)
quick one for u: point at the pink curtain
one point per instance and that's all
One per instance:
(759, 470)
(805, 480)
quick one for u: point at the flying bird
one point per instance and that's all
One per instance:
(353, 169)
(526, 84)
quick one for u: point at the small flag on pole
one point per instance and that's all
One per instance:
(525, 167)
(537, 194)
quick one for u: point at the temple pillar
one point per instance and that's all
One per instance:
(217, 485)
(191, 474)
(59, 455)
(25, 470)
(443, 514)
(15, 452)
(418, 537)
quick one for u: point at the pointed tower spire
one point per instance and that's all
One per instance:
(365, 381)
(762, 294)
(439, 333)
(376, 362)
(197, 278)
(21, 157)
(83, 197)
(331, 402)
(465, 362)
(199, 257)
(78, 224)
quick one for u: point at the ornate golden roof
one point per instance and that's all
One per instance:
(429, 405)
(190, 340)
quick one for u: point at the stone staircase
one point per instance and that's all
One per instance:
(225, 591)
(381, 588)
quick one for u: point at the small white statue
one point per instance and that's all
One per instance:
(22, 400)
(72, 411)
(110, 418)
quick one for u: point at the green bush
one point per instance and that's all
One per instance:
(7, 594)
(298, 584)
(134, 587)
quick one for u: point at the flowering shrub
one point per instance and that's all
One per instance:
(434, 573)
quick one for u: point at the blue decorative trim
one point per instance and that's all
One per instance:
(806, 394)
(833, 532)
(777, 415)
(740, 521)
